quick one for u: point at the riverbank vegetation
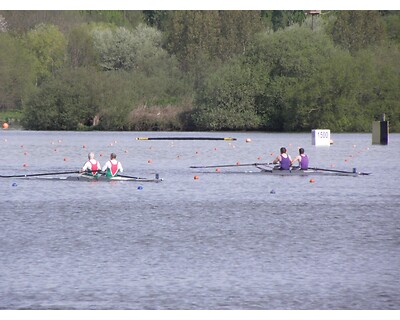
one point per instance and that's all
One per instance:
(200, 70)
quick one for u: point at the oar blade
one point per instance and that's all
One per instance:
(343, 171)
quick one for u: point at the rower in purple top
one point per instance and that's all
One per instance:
(302, 158)
(283, 159)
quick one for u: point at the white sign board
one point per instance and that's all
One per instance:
(321, 137)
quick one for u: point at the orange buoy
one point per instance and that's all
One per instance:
(248, 140)
(5, 125)
(196, 177)
(312, 180)
(149, 161)
(238, 163)
(25, 165)
(217, 170)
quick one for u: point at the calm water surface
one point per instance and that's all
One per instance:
(235, 239)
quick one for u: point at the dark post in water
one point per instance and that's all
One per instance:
(380, 131)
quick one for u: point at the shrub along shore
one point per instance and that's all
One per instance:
(200, 70)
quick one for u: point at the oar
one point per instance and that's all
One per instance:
(124, 176)
(233, 165)
(42, 174)
(342, 171)
(185, 138)
(38, 174)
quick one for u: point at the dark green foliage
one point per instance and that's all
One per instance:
(355, 30)
(200, 70)
(282, 19)
(210, 34)
(17, 75)
(156, 18)
(80, 49)
(226, 102)
(62, 103)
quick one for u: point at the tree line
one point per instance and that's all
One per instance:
(200, 70)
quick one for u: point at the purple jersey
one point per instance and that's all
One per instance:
(285, 163)
(304, 162)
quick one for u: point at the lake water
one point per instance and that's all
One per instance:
(234, 239)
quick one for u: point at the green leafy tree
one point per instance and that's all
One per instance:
(290, 57)
(48, 45)
(210, 35)
(149, 54)
(192, 34)
(227, 100)
(328, 99)
(120, 18)
(80, 49)
(66, 102)
(280, 19)
(378, 91)
(355, 30)
(140, 49)
(115, 48)
(116, 97)
(156, 18)
(392, 26)
(16, 72)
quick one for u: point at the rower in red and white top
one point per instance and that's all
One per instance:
(92, 166)
(112, 166)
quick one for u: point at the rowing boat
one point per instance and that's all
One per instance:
(87, 178)
(272, 169)
(311, 172)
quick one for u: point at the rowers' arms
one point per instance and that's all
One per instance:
(298, 158)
